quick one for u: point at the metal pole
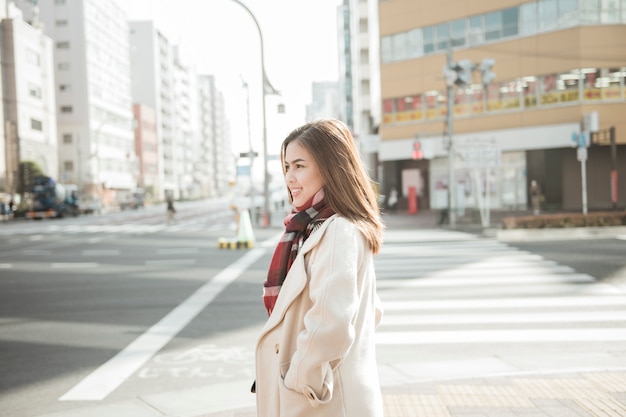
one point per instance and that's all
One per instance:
(583, 171)
(266, 207)
(250, 153)
(451, 151)
(614, 194)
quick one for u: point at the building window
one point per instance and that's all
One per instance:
(458, 32)
(415, 43)
(548, 15)
(63, 66)
(65, 87)
(429, 40)
(36, 125)
(34, 90)
(68, 166)
(63, 45)
(67, 138)
(66, 109)
(386, 49)
(569, 13)
(528, 19)
(400, 46)
(493, 26)
(476, 30)
(609, 11)
(60, 23)
(442, 36)
(32, 57)
(510, 22)
(59, 2)
(590, 12)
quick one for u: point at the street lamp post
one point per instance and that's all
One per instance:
(250, 150)
(266, 89)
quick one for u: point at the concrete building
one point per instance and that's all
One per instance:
(324, 101)
(93, 84)
(28, 99)
(217, 162)
(184, 126)
(153, 85)
(146, 148)
(359, 76)
(207, 167)
(556, 63)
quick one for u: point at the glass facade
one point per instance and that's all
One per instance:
(525, 20)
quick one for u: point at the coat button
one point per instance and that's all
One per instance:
(276, 347)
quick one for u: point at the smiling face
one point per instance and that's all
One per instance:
(302, 174)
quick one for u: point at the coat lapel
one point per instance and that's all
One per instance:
(295, 281)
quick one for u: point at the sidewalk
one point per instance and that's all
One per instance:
(586, 392)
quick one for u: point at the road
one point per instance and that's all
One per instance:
(126, 312)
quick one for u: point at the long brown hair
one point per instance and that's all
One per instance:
(348, 188)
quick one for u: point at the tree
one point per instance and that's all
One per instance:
(26, 172)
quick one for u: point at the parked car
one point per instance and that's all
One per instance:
(91, 206)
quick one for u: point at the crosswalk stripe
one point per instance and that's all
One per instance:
(498, 279)
(613, 316)
(496, 303)
(613, 334)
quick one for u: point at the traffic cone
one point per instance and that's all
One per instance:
(245, 234)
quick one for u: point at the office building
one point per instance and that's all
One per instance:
(559, 69)
(93, 90)
(28, 100)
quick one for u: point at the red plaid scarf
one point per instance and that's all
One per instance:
(298, 226)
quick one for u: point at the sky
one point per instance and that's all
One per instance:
(219, 37)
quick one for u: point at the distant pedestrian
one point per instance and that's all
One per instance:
(535, 197)
(316, 355)
(170, 210)
(392, 201)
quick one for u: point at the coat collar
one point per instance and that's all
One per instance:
(296, 278)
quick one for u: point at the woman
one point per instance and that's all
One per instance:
(316, 353)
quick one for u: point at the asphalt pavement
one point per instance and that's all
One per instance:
(583, 392)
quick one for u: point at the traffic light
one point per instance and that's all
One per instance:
(464, 72)
(485, 71)
(417, 150)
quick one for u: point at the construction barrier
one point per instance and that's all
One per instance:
(245, 234)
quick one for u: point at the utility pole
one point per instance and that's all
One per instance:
(459, 74)
(451, 151)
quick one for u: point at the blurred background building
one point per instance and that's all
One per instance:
(556, 62)
(359, 76)
(106, 105)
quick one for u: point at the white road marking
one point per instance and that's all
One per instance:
(616, 334)
(6, 266)
(501, 318)
(101, 252)
(104, 380)
(166, 262)
(488, 303)
(74, 265)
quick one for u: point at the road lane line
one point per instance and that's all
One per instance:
(74, 265)
(104, 380)
(101, 252)
(166, 262)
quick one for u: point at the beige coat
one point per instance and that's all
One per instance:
(316, 353)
